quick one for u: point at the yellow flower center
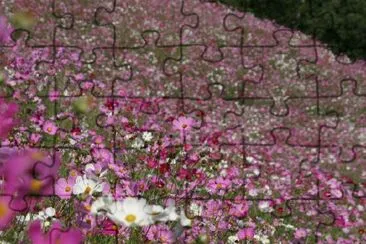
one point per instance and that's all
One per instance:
(37, 155)
(73, 173)
(36, 185)
(88, 207)
(67, 188)
(49, 129)
(220, 186)
(87, 190)
(130, 218)
(3, 210)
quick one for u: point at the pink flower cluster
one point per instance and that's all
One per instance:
(176, 144)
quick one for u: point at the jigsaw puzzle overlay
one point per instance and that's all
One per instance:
(175, 121)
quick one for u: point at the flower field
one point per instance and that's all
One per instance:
(181, 121)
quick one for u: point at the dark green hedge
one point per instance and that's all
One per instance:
(339, 23)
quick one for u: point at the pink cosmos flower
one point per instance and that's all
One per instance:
(183, 123)
(35, 137)
(56, 234)
(87, 222)
(49, 127)
(63, 187)
(218, 185)
(102, 155)
(239, 209)
(7, 120)
(19, 171)
(246, 233)
(53, 95)
(6, 213)
(300, 233)
(160, 233)
(213, 208)
(108, 227)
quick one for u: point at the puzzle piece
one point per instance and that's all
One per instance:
(131, 35)
(80, 28)
(351, 127)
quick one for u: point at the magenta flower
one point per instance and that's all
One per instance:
(63, 187)
(49, 127)
(7, 120)
(6, 213)
(102, 155)
(183, 124)
(300, 233)
(218, 185)
(160, 233)
(239, 209)
(56, 234)
(19, 171)
(53, 95)
(246, 233)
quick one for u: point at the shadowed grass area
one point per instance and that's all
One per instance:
(341, 24)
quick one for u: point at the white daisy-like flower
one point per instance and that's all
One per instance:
(158, 213)
(130, 212)
(147, 136)
(264, 206)
(137, 143)
(47, 213)
(233, 239)
(184, 221)
(86, 186)
(46, 216)
(102, 204)
(196, 209)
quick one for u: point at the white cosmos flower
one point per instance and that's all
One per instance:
(264, 206)
(47, 213)
(86, 186)
(147, 136)
(184, 221)
(233, 239)
(158, 213)
(102, 204)
(130, 212)
(46, 216)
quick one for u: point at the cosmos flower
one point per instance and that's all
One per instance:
(246, 233)
(86, 186)
(130, 212)
(147, 136)
(102, 204)
(6, 213)
(158, 213)
(7, 117)
(47, 216)
(19, 172)
(300, 233)
(184, 221)
(183, 123)
(49, 127)
(63, 187)
(218, 185)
